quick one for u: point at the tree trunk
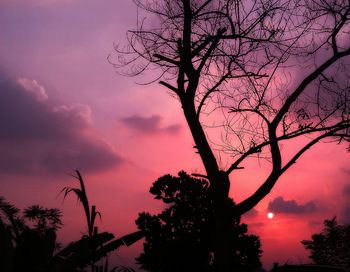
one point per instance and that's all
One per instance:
(222, 224)
(219, 190)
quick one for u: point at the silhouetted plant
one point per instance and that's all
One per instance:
(43, 218)
(78, 254)
(94, 246)
(331, 246)
(6, 244)
(180, 238)
(105, 268)
(29, 236)
(122, 269)
(28, 239)
(10, 216)
(83, 199)
(90, 215)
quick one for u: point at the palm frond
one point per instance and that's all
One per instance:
(11, 214)
(43, 218)
(83, 199)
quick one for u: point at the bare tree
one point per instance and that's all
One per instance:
(270, 71)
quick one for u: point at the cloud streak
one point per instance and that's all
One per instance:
(346, 205)
(279, 205)
(346, 190)
(346, 170)
(149, 125)
(38, 138)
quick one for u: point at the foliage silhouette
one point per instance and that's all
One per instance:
(94, 246)
(83, 199)
(122, 269)
(273, 72)
(180, 238)
(331, 246)
(28, 239)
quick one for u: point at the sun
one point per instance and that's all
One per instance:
(270, 215)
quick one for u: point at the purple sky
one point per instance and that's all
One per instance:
(63, 107)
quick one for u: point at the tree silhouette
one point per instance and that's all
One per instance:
(331, 246)
(180, 238)
(270, 72)
(28, 239)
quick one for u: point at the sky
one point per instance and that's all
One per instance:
(63, 107)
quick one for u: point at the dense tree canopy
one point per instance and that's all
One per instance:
(180, 237)
(28, 238)
(331, 246)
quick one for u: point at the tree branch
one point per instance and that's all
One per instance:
(177, 63)
(290, 100)
(294, 134)
(310, 144)
(276, 172)
(175, 90)
(213, 45)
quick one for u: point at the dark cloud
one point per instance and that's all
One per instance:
(346, 190)
(345, 218)
(279, 205)
(149, 125)
(251, 213)
(315, 224)
(35, 137)
(256, 225)
(346, 206)
(346, 170)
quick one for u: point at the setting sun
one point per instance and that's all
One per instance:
(270, 215)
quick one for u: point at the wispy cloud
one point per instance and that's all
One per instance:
(34, 87)
(149, 125)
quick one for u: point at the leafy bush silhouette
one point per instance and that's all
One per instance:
(94, 246)
(28, 239)
(331, 246)
(180, 238)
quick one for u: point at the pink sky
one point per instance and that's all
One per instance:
(63, 107)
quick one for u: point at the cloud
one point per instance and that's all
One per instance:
(279, 205)
(315, 224)
(346, 190)
(256, 225)
(251, 213)
(80, 112)
(346, 206)
(345, 216)
(149, 125)
(35, 137)
(34, 87)
(346, 170)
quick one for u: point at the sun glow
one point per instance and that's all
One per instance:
(270, 215)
